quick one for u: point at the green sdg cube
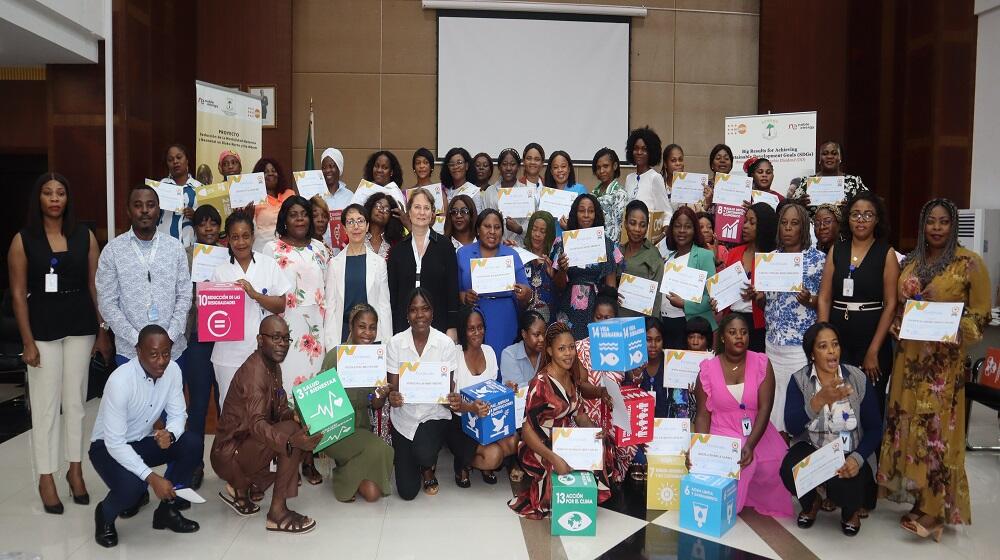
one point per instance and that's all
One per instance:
(324, 407)
(574, 504)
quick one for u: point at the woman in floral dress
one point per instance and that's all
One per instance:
(923, 449)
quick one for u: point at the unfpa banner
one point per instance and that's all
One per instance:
(788, 140)
(227, 119)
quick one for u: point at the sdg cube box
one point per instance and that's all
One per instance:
(324, 407)
(574, 504)
(496, 425)
(618, 344)
(708, 504)
(663, 486)
(641, 407)
(220, 311)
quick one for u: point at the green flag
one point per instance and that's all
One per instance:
(310, 164)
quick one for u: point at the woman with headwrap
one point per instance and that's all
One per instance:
(762, 172)
(229, 164)
(923, 449)
(338, 195)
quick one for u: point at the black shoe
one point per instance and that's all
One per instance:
(197, 478)
(167, 517)
(104, 533)
(849, 529)
(180, 504)
(130, 512)
(804, 521)
(54, 510)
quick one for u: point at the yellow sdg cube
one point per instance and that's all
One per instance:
(663, 481)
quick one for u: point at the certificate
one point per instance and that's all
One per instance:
(438, 196)
(526, 255)
(516, 202)
(205, 259)
(556, 202)
(424, 382)
(364, 191)
(732, 190)
(687, 282)
(681, 367)
(585, 246)
(619, 412)
(638, 294)
(244, 189)
(821, 465)
(579, 447)
(825, 190)
(492, 275)
(726, 287)
(671, 436)
(310, 183)
(688, 188)
(931, 321)
(777, 272)
(768, 198)
(439, 224)
(171, 197)
(715, 455)
(520, 403)
(361, 365)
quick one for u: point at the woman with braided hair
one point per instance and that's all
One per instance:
(923, 450)
(553, 401)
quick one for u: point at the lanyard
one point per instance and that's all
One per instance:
(147, 263)
(416, 255)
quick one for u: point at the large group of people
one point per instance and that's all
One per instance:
(791, 371)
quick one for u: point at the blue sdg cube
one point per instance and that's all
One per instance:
(708, 504)
(496, 425)
(618, 344)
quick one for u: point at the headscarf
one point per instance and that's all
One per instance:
(336, 156)
(227, 153)
(550, 230)
(924, 271)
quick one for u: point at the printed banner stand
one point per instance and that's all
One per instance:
(788, 140)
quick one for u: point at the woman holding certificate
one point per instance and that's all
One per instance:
(383, 168)
(423, 166)
(762, 172)
(790, 313)
(531, 176)
(457, 175)
(579, 284)
(356, 275)
(609, 191)
(643, 149)
(509, 162)
(539, 271)
(363, 459)
(687, 251)
(419, 424)
(760, 232)
(642, 258)
(734, 392)
(384, 227)
(831, 401)
(485, 264)
(553, 401)
(831, 164)
(858, 291)
(923, 450)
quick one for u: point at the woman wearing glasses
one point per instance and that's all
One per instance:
(456, 177)
(858, 291)
(459, 223)
(384, 227)
(356, 275)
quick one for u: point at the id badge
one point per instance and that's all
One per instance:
(273, 466)
(848, 287)
(51, 283)
(153, 314)
(747, 426)
(845, 440)
(652, 394)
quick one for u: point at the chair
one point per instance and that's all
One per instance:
(982, 394)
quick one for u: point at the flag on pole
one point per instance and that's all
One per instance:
(310, 164)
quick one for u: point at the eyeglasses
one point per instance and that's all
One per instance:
(381, 207)
(456, 164)
(459, 211)
(357, 222)
(278, 338)
(862, 216)
(824, 223)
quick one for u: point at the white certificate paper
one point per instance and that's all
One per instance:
(516, 202)
(492, 275)
(579, 447)
(247, 188)
(732, 190)
(777, 272)
(520, 403)
(171, 196)
(821, 465)
(825, 190)
(437, 193)
(526, 255)
(715, 455)
(556, 202)
(671, 436)
(681, 367)
(931, 321)
(439, 224)
(424, 382)
(585, 246)
(205, 259)
(638, 294)
(726, 287)
(361, 365)
(310, 183)
(619, 412)
(686, 282)
(768, 198)
(688, 188)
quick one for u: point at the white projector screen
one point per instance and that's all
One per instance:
(505, 80)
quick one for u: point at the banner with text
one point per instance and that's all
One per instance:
(227, 119)
(788, 140)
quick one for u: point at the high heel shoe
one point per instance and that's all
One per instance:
(54, 509)
(919, 530)
(82, 499)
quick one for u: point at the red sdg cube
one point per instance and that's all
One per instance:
(641, 406)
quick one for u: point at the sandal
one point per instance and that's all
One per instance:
(806, 519)
(516, 474)
(934, 531)
(462, 479)
(489, 477)
(292, 522)
(430, 484)
(311, 475)
(242, 506)
(850, 529)
(256, 494)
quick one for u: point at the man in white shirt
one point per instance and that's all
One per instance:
(124, 445)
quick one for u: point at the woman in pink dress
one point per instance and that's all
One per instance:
(734, 388)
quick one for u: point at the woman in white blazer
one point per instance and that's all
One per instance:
(355, 275)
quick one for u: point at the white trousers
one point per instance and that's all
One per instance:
(224, 377)
(785, 360)
(59, 382)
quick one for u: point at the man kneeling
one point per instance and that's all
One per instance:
(257, 429)
(124, 444)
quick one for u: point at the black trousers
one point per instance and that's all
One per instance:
(460, 444)
(849, 494)
(411, 457)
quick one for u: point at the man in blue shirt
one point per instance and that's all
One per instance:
(124, 445)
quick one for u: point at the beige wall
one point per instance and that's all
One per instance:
(370, 68)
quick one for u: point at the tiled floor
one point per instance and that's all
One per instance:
(457, 521)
